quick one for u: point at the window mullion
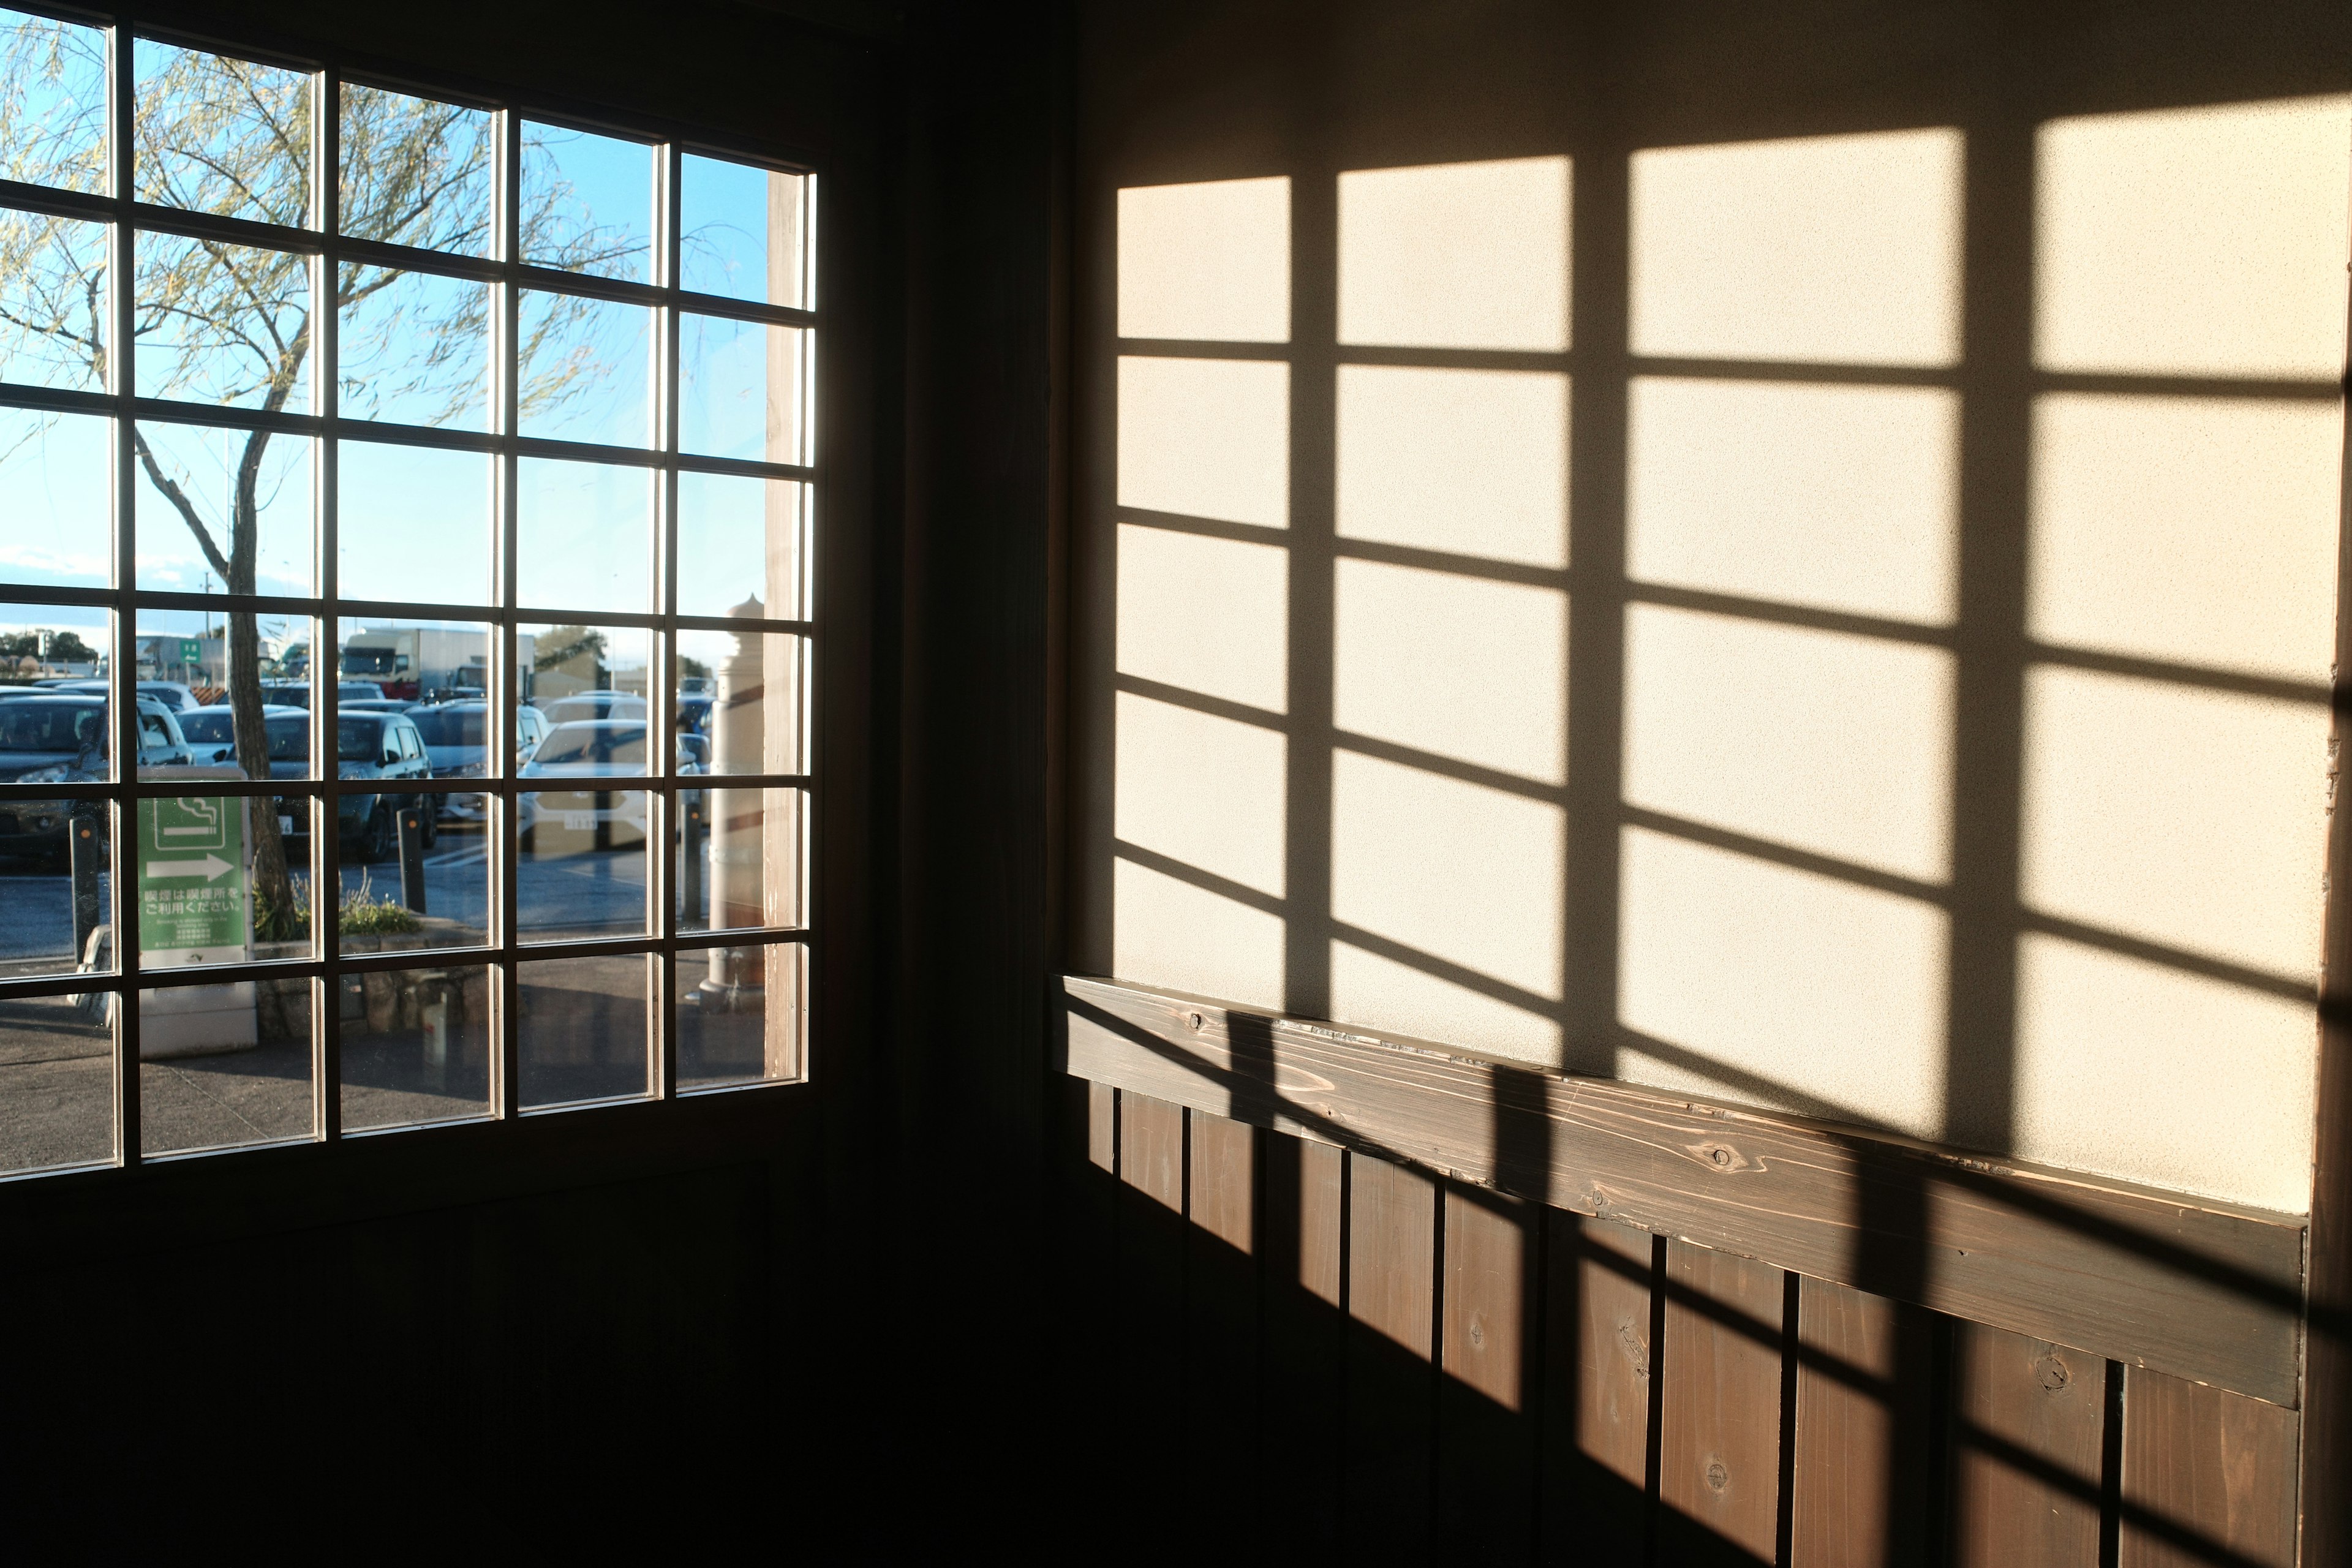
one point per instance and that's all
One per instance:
(123, 663)
(326, 633)
(662, 701)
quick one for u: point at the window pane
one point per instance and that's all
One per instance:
(223, 1066)
(741, 1013)
(416, 1045)
(412, 349)
(222, 136)
(201, 489)
(742, 691)
(56, 1082)
(227, 324)
(52, 301)
(56, 471)
(52, 102)
(584, 535)
(412, 524)
(580, 854)
(54, 735)
(741, 859)
(742, 546)
(582, 671)
(738, 389)
(583, 370)
(582, 1031)
(184, 657)
(415, 172)
(406, 662)
(741, 231)
(587, 203)
(215, 884)
(56, 893)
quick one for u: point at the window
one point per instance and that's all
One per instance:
(491, 455)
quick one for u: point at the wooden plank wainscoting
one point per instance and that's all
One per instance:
(1398, 1302)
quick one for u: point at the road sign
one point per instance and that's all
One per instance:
(192, 879)
(191, 652)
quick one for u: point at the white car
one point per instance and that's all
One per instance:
(565, 806)
(595, 705)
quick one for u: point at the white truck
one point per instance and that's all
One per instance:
(425, 664)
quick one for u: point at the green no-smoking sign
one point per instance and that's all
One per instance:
(192, 891)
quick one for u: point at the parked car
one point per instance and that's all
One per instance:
(211, 731)
(457, 744)
(172, 694)
(530, 728)
(373, 704)
(383, 746)
(297, 693)
(594, 705)
(62, 738)
(582, 817)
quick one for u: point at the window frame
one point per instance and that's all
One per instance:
(326, 250)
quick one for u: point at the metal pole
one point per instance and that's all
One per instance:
(87, 857)
(690, 865)
(412, 857)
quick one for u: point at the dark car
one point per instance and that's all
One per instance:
(62, 739)
(458, 743)
(367, 746)
(211, 731)
(172, 694)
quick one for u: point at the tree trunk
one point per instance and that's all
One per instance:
(272, 889)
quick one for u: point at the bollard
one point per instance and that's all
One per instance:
(412, 859)
(689, 877)
(87, 858)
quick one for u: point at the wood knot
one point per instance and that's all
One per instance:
(1718, 1476)
(2051, 1372)
(1477, 1332)
(1723, 1157)
(1636, 1349)
(1198, 1022)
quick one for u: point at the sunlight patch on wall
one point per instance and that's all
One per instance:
(2107, 1045)
(1472, 670)
(1210, 260)
(1211, 616)
(1464, 256)
(2190, 818)
(1471, 462)
(1205, 439)
(2195, 241)
(2201, 530)
(1168, 933)
(1819, 741)
(1841, 498)
(1466, 874)
(1809, 993)
(1203, 790)
(1371, 992)
(1829, 249)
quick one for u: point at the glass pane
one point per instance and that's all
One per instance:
(450, 905)
(223, 1066)
(227, 324)
(405, 663)
(56, 471)
(583, 535)
(738, 389)
(587, 203)
(183, 670)
(583, 1033)
(57, 892)
(582, 671)
(739, 230)
(412, 349)
(416, 1045)
(743, 693)
(54, 734)
(415, 172)
(52, 301)
(741, 1014)
(221, 135)
(583, 370)
(214, 882)
(579, 868)
(201, 490)
(52, 102)
(741, 859)
(412, 524)
(56, 1082)
(742, 546)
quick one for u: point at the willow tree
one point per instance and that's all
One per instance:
(236, 325)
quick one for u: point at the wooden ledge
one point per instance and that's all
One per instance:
(2200, 1290)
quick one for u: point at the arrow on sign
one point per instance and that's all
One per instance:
(210, 867)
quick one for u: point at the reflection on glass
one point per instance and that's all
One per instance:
(221, 1066)
(54, 469)
(738, 389)
(52, 102)
(390, 663)
(56, 1082)
(416, 1045)
(741, 693)
(582, 1030)
(583, 370)
(579, 868)
(742, 546)
(412, 348)
(412, 524)
(56, 893)
(741, 1014)
(221, 135)
(741, 859)
(587, 203)
(741, 231)
(52, 301)
(203, 491)
(579, 671)
(223, 323)
(584, 535)
(415, 172)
